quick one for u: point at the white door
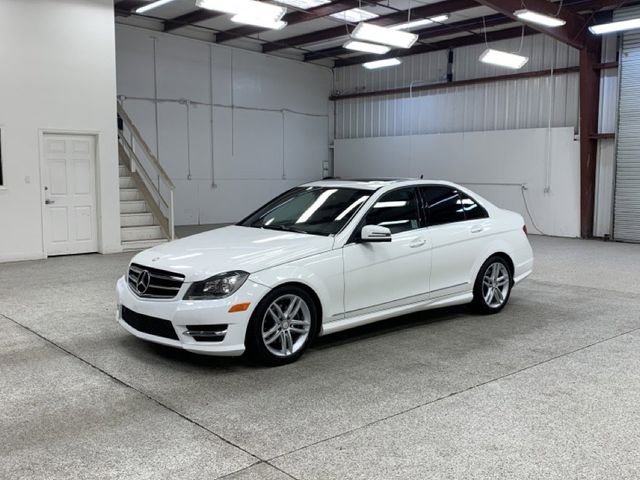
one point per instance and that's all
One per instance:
(69, 182)
(457, 228)
(388, 274)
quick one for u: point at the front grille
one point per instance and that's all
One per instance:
(150, 325)
(155, 283)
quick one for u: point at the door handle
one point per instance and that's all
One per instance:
(477, 229)
(49, 202)
(417, 243)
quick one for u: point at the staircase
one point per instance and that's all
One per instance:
(146, 191)
(138, 227)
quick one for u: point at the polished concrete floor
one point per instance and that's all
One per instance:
(549, 388)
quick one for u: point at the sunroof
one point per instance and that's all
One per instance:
(354, 15)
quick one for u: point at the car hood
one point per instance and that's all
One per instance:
(232, 248)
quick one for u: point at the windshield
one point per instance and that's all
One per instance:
(314, 210)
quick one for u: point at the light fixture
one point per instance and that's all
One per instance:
(366, 47)
(304, 4)
(152, 5)
(248, 12)
(354, 15)
(376, 34)
(250, 8)
(420, 23)
(620, 26)
(503, 59)
(387, 62)
(250, 19)
(539, 18)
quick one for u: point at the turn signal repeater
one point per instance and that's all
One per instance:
(239, 307)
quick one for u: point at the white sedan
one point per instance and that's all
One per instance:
(324, 257)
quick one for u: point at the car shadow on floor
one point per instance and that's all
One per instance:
(354, 335)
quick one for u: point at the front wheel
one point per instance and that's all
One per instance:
(493, 286)
(282, 326)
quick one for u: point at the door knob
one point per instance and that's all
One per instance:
(49, 202)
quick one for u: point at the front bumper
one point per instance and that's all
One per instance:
(193, 312)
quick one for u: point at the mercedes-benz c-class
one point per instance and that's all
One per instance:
(324, 257)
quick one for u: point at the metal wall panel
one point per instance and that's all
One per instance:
(524, 103)
(627, 193)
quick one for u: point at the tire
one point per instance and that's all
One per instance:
(276, 336)
(492, 288)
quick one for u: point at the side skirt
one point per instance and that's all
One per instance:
(351, 322)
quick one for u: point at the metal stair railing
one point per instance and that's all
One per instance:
(147, 173)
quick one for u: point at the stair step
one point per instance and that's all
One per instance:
(130, 234)
(137, 220)
(130, 194)
(141, 244)
(127, 182)
(134, 206)
(123, 171)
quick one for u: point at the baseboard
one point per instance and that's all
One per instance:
(21, 257)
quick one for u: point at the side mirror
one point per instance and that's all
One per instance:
(375, 233)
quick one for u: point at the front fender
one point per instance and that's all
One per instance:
(322, 273)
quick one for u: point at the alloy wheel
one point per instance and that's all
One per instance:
(286, 325)
(495, 285)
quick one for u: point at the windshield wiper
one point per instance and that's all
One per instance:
(283, 228)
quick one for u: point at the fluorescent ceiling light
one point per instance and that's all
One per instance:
(152, 5)
(354, 15)
(250, 8)
(304, 4)
(420, 23)
(376, 34)
(387, 62)
(366, 47)
(539, 18)
(249, 19)
(503, 59)
(615, 26)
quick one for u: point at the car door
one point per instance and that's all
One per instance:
(456, 223)
(385, 274)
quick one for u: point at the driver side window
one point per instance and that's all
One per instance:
(396, 210)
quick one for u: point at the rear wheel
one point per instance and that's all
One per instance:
(282, 326)
(493, 284)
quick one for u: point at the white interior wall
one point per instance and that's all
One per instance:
(495, 164)
(270, 131)
(58, 74)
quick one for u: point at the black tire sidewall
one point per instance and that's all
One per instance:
(254, 342)
(478, 299)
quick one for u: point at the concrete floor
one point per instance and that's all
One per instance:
(548, 389)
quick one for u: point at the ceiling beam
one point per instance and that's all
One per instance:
(463, 83)
(573, 33)
(291, 18)
(190, 18)
(456, 42)
(425, 33)
(124, 8)
(426, 11)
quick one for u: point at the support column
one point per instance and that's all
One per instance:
(589, 105)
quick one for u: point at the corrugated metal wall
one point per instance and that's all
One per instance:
(627, 193)
(513, 104)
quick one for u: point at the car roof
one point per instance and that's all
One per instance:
(371, 183)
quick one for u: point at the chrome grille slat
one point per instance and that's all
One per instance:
(162, 284)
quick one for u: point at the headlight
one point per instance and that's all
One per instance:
(218, 286)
